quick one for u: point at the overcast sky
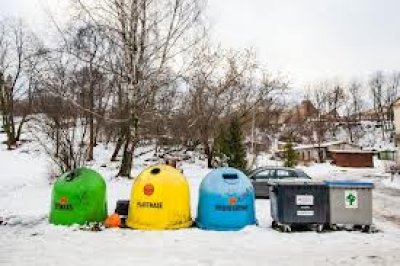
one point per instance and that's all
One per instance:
(306, 39)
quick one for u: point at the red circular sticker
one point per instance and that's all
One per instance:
(232, 200)
(64, 200)
(148, 189)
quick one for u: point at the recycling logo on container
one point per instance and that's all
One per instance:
(148, 189)
(351, 199)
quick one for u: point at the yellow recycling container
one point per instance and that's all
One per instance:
(160, 199)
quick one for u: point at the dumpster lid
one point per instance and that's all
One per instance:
(296, 182)
(350, 183)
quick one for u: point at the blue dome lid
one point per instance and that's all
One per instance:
(225, 177)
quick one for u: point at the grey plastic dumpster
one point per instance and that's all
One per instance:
(350, 203)
(299, 203)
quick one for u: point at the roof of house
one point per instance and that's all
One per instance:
(396, 102)
(321, 145)
(353, 151)
(299, 112)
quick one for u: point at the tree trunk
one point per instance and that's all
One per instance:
(57, 139)
(91, 138)
(320, 155)
(91, 118)
(131, 140)
(118, 147)
(209, 155)
(351, 133)
(8, 119)
(8, 128)
(19, 131)
(126, 164)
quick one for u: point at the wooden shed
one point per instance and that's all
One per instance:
(321, 152)
(352, 158)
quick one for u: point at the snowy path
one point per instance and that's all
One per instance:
(387, 205)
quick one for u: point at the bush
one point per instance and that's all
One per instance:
(290, 155)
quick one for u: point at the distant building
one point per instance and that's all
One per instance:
(318, 152)
(396, 113)
(373, 115)
(298, 114)
(387, 155)
(321, 152)
(306, 112)
(352, 158)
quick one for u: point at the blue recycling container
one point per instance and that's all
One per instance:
(226, 201)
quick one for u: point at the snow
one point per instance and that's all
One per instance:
(395, 183)
(28, 239)
(367, 136)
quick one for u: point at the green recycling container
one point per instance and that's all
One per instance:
(78, 197)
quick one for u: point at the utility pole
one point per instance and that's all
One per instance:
(253, 122)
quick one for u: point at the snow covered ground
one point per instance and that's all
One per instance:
(395, 183)
(28, 239)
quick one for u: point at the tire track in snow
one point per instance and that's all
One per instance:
(387, 205)
(6, 247)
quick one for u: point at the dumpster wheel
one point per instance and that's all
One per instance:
(320, 228)
(367, 229)
(285, 228)
(274, 225)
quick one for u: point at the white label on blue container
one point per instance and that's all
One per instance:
(302, 200)
(305, 213)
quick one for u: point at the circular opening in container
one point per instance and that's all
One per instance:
(155, 171)
(230, 178)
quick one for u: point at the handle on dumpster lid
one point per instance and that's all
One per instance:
(230, 176)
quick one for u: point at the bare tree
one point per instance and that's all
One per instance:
(383, 95)
(17, 47)
(147, 36)
(87, 45)
(319, 95)
(393, 85)
(353, 109)
(61, 124)
(222, 84)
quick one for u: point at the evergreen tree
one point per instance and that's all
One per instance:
(290, 155)
(221, 147)
(222, 142)
(237, 150)
(229, 147)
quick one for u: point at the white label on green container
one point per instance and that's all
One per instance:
(305, 213)
(304, 200)
(351, 199)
